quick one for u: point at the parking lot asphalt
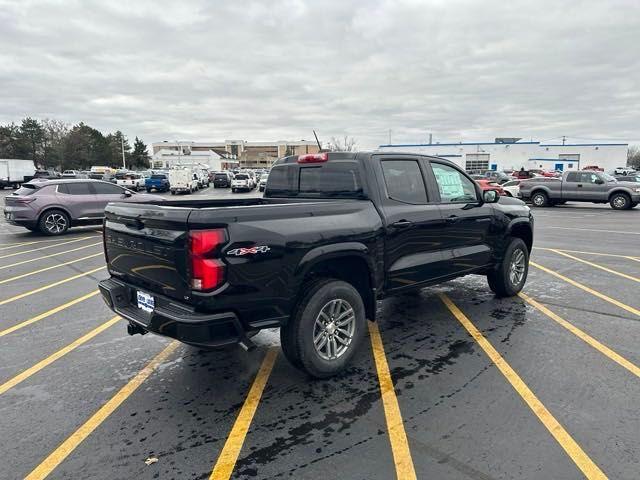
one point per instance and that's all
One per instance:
(453, 384)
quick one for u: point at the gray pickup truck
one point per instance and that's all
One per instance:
(582, 186)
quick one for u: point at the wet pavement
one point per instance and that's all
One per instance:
(524, 395)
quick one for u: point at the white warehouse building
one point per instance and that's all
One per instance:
(512, 154)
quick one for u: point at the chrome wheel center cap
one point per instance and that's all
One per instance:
(331, 328)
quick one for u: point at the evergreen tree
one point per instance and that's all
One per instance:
(139, 157)
(32, 135)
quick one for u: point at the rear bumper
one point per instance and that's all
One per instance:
(23, 215)
(174, 319)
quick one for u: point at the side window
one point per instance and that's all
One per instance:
(454, 187)
(74, 188)
(572, 177)
(404, 181)
(107, 189)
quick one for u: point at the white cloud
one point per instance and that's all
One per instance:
(274, 70)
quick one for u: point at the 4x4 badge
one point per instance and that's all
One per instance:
(237, 252)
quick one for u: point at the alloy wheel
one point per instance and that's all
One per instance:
(334, 329)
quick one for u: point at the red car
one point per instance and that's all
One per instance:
(490, 185)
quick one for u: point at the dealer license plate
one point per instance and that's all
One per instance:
(145, 301)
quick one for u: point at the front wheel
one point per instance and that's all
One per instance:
(54, 222)
(620, 201)
(508, 278)
(326, 328)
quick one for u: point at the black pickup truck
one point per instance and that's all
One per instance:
(334, 233)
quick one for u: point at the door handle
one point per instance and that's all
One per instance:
(402, 224)
(579, 185)
(452, 219)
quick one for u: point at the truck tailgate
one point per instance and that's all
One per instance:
(146, 245)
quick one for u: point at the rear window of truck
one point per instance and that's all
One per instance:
(336, 178)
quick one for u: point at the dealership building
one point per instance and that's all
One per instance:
(247, 154)
(514, 154)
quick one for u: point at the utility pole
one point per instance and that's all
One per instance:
(124, 165)
(430, 138)
(564, 138)
(389, 136)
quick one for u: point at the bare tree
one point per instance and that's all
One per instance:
(633, 156)
(346, 144)
(55, 133)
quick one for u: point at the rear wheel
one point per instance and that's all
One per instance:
(540, 199)
(54, 222)
(148, 190)
(620, 201)
(325, 329)
(510, 275)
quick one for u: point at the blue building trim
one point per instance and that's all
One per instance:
(391, 145)
(585, 145)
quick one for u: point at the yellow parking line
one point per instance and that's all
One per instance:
(570, 446)
(45, 248)
(7, 246)
(619, 359)
(600, 254)
(395, 425)
(18, 277)
(595, 265)
(51, 255)
(55, 356)
(593, 292)
(51, 285)
(46, 314)
(76, 438)
(226, 462)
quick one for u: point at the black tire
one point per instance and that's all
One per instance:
(634, 205)
(297, 336)
(148, 190)
(502, 280)
(54, 222)
(620, 201)
(173, 192)
(540, 199)
(233, 190)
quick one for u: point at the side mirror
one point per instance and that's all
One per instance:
(490, 196)
(127, 193)
(599, 181)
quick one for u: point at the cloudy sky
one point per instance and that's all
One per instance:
(273, 70)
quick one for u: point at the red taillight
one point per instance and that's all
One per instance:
(207, 271)
(313, 158)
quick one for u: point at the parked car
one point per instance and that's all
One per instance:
(582, 186)
(133, 181)
(624, 171)
(158, 182)
(183, 180)
(242, 181)
(523, 174)
(69, 174)
(594, 168)
(333, 234)
(221, 180)
(53, 206)
(263, 181)
(631, 177)
(512, 188)
(487, 185)
(496, 176)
